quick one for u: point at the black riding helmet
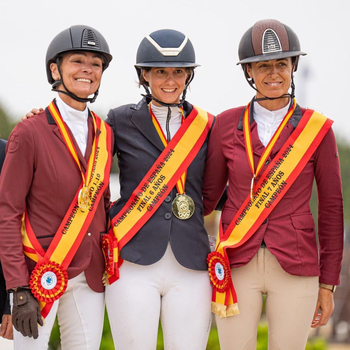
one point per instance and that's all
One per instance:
(266, 40)
(76, 38)
(165, 48)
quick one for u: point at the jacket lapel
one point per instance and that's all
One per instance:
(57, 132)
(143, 121)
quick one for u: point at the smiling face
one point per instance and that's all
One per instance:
(81, 73)
(272, 79)
(166, 84)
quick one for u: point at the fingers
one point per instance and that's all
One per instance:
(33, 328)
(32, 113)
(6, 327)
(39, 318)
(316, 320)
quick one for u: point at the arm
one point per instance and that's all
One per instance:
(330, 224)
(15, 182)
(216, 172)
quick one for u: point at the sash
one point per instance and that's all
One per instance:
(275, 181)
(49, 278)
(155, 186)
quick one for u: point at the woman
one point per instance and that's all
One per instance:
(56, 172)
(158, 220)
(270, 152)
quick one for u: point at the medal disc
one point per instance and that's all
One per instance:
(183, 206)
(84, 200)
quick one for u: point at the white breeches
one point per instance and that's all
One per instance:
(180, 297)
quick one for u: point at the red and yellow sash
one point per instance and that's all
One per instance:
(49, 278)
(156, 184)
(268, 191)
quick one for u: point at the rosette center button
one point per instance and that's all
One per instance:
(49, 280)
(219, 271)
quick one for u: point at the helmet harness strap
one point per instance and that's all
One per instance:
(67, 92)
(251, 83)
(150, 96)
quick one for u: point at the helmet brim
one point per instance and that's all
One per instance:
(167, 64)
(272, 56)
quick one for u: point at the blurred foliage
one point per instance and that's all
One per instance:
(6, 125)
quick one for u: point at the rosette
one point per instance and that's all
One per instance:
(107, 249)
(219, 272)
(48, 281)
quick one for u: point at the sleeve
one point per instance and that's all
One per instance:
(215, 174)
(330, 209)
(15, 182)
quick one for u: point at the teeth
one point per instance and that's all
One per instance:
(169, 90)
(84, 80)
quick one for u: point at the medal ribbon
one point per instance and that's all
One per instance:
(73, 228)
(275, 181)
(159, 181)
(269, 147)
(180, 185)
(69, 143)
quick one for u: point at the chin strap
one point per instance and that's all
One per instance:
(69, 93)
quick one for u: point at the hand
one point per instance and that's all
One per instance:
(6, 330)
(324, 308)
(26, 313)
(32, 113)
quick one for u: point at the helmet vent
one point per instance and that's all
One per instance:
(90, 39)
(270, 42)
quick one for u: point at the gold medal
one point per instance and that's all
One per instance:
(84, 200)
(183, 206)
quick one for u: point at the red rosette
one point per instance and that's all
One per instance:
(219, 271)
(108, 253)
(48, 281)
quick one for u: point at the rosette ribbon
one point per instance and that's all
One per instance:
(48, 281)
(113, 261)
(224, 300)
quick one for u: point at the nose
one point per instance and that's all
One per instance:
(273, 70)
(170, 77)
(87, 67)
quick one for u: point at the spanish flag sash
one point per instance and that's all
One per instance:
(155, 186)
(49, 279)
(275, 181)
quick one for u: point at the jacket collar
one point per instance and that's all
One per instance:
(258, 147)
(142, 120)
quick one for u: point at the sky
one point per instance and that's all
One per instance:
(215, 29)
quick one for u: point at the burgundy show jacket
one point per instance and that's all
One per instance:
(40, 175)
(289, 231)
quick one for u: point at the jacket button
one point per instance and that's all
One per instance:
(167, 216)
(89, 234)
(267, 162)
(265, 221)
(167, 199)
